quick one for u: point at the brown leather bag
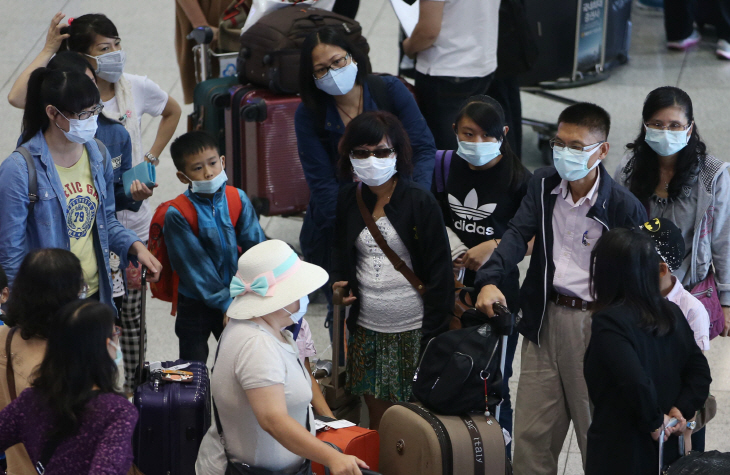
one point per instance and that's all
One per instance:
(394, 259)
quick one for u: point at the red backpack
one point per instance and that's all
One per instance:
(166, 288)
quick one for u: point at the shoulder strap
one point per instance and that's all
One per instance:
(10, 373)
(186, 207)
(394, 259)
(235, 207)
(441, 169)
(102, 149)
(32, 177)
(379, 91)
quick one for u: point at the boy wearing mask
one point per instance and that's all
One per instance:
(566, 209)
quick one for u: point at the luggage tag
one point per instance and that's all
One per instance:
(173, 374)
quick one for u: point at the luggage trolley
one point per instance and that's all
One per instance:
(598, 32)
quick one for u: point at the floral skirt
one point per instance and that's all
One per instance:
(382, 364)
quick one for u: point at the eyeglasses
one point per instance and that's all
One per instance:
(559, 146)
(361, 154)
(674, 126)
(84, 291)
(83, 115)
(340, 63)
(117, 331)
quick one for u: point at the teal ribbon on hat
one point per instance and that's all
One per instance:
(260, 285)
(264, 283)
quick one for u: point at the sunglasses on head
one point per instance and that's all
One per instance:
(377, 153)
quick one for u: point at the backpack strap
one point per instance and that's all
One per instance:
(379, 92)
(32, 177)
(183, 204)
(441, 169)
(235, 207)
(102, 149)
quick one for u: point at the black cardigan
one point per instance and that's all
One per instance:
(416, 217)
(633, 379)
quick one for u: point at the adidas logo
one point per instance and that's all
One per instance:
(470, 209)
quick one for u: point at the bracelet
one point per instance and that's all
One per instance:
(154, 160)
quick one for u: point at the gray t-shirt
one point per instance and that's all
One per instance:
(250, 358)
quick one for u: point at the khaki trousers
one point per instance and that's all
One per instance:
(552, 392)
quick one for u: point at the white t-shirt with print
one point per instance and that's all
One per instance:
(150, 99)
(249, 358)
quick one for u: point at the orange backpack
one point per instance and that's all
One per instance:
(166, 288)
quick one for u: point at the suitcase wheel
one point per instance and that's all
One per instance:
(255, 111)
(221, 100)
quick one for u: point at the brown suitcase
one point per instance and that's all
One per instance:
(415, 440)
(263, 159)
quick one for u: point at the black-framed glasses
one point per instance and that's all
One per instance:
(116, 333)
(559, 146)
(361, 154)
(83, 115)
(673, 126)
(340, 63)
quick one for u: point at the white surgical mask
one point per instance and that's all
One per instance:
(374, 171)
(572, 166)
(110, 66)
(338, 82)
(80, 131)
(299, 314)
(119, 357)
(665, 142)
(479, 153)
(208, 187)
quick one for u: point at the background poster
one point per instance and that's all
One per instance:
(590, 34)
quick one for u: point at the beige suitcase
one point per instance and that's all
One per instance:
(414, 440)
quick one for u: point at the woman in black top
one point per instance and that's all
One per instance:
(389, 318)
(479, 192)
(642, 366)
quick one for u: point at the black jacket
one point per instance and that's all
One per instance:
(615, 207)
(635, 377)
(416, 217)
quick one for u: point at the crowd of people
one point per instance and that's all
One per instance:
(407, 198)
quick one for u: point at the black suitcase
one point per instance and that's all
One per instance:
(173, 417)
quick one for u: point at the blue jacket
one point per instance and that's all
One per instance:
(117, 141)
(319, 163)
(206, 263)
(615, 207)
(46, 226)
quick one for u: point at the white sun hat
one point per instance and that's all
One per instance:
(271, 276)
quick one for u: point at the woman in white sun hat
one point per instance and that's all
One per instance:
(261, 392)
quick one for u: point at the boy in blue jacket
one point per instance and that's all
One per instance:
(205, 263)
(566, 209)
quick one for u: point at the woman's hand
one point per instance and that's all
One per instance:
(146, 259)
(54, 38)
(342, 464)
(477, 256)
(661, 431)
(347, 300)
(140, 191)
(681, 421)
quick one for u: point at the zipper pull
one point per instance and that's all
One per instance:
(415, 376)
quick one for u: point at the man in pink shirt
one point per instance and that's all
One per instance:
(566, 209)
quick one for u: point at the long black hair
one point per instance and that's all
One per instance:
(644, 176)
(82, 32)
(488, 114)
(70, 61)
(47, 280)
(625, 270)
(69, 92)
(314, 98)
(369, 128)
(76, 360)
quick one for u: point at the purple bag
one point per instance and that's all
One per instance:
(706, 292)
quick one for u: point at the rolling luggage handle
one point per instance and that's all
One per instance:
(338, 296)
(142, 328)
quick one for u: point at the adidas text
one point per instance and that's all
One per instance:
(463, 225)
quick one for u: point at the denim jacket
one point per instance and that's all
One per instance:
(45, 226)
(117, 141)
(206, 263)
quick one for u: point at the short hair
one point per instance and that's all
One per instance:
(188, 144)
(369, 128)
(585, 114)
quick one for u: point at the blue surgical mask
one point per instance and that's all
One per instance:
(110, 66)
(338, 82)
(479, 153)
(80, 131)
(572, 166)
(299, 314)
(208, 187)
(665, 142)
(119, 358)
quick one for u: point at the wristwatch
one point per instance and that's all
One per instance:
(153, 160)
(691, 425)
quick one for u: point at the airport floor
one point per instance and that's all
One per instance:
(147, 32)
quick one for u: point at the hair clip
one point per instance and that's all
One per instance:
(70, 20)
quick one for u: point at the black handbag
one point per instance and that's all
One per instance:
(516, 46)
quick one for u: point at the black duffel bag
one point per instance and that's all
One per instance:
(271, 47)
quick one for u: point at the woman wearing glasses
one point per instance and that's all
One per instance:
(390, 317)
(72, 420)
(336, 87)
(669, 170)
(73, 207)
(47, 280)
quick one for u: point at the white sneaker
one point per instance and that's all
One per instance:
(682, 45)
(723, 49)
